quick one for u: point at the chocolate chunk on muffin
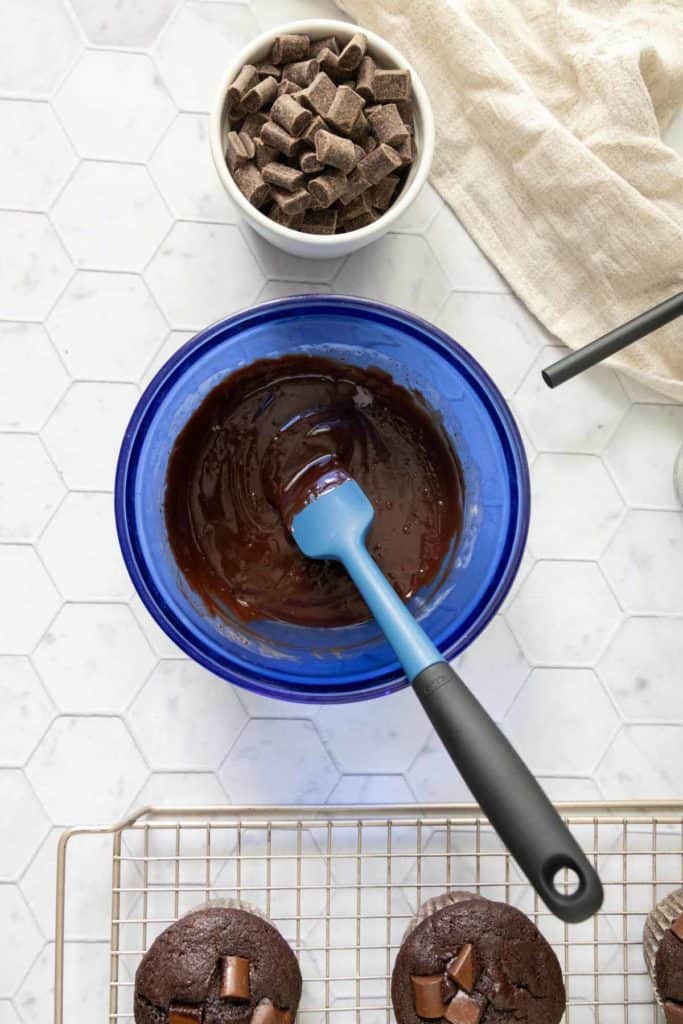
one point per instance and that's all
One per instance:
(471, 961)
(218, 965)
(663, 949)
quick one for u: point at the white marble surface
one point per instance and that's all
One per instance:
(116, 242)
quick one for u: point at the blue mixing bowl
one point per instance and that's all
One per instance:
(352, 662)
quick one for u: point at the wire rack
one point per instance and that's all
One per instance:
(342, 884)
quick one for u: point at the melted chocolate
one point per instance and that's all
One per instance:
(247, 449)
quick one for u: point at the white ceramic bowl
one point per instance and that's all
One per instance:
(298, 242)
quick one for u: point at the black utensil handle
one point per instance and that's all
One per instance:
(508, 794)
(640, 326)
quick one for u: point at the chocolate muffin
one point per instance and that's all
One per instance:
(218, 965)
(663, 948)
(472, 961)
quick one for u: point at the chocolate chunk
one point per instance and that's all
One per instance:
(389, 86)
(253, 123)
(328, 43)
(250, 183)
(370, 143)
(329, 63)
(382, 193)
(302, 72)
(328, 187)
(336, 151)
(463, 969)
(287, 88)
(428, 993)
(405, 109)
(309, 163)
(673, 1012)
(263, 154)
(246, 79)
(316, 125)
(361, 221)
(274, 135)
(293, 221)
(292, 202)
(344, 109)
(406, 151)
(376, 165)
(248, 143)
(320, 94)
(266, 1013)
(236, 116)
(261, 95)
(386, 124)
(462, 1009)
(288, 48)
(235, 150)
(290, 115)
(284, 176)
(353, 52)
(320, 222)
(677, 927)
(234, 978)
(366, 73)
(266, 70)
(355, 186)
(361, 204)
(185, 1014)
(361, 129)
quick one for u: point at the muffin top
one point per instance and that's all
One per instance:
(219, 965)
(669, 970)
(477, 962)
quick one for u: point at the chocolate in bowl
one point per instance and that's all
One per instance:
(251, 440)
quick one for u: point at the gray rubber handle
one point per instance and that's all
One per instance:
(508, 794)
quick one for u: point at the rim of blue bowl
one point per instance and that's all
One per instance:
(424, 332)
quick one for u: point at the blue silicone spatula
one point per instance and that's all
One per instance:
(333, 525)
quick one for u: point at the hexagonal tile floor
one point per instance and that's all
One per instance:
(118, 242)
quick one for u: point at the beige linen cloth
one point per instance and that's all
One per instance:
(549, 116)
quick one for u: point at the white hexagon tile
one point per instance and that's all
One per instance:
(26, 941)
(111, 216)
(39, 41)
(27, 398)
(179, 694)
(118, 242)
(93, 658)
(37, 155)
(30, 487)
(26, 709)
(34, 265)
(104, 410)
(114, 106)
(106, 327)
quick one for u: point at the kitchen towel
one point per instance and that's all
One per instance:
(549, 120)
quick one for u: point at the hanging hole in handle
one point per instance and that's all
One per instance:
(566, 882)
(564, 878)
(570, 887)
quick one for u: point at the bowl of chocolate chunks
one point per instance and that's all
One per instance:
(322, 135)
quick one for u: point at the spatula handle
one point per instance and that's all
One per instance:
(508, 794)
(504, 787)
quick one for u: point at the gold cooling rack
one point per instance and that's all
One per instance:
(342, 883)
